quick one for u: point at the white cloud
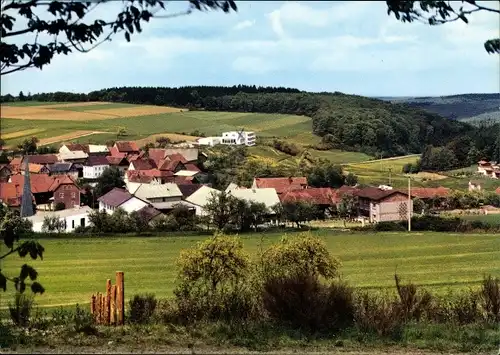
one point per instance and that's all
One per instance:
(244, 24)
(276, 25)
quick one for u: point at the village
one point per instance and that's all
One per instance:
(159, 180)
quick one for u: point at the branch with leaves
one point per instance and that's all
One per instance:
(12, 229)
(441, 12)
(69, 32)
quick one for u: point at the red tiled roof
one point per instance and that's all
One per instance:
(429, 192)
(178, 157)
(43, 159)
(317, 196)
(168, 165)
(192, 167)
(42, 183)
(10, 193)
(143, 164)
(74, 147)
(282, 184)
(117, 161)
(376, 194)
(113, 151)
(115, 197)
(35, 168)
(157, 154)
(127, 147)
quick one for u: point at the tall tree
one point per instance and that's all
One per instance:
(438, 12)
(67, 31)
(110, 178)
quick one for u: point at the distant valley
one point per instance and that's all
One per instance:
(472, 108)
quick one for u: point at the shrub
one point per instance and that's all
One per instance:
(59, 206)
(490, 297)
(413, 304)
(301, 301)
(303, 254)
(84, 321)
(20, 311)
(286, 147)
(142, 308)
(378, 314)
(212, 279)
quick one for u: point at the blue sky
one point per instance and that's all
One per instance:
(352, 47)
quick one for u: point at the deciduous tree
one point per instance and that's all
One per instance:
(66, 28)
(110, 178)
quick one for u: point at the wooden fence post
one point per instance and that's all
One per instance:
(112, 305)
(120, 297)
(98, 308)
(92, 305)
(106, 301)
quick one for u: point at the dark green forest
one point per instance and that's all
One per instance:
(349, 122)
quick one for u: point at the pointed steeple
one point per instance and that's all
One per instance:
(26, 199)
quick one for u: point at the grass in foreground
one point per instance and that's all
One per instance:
(73, 269)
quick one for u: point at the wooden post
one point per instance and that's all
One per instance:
(120, 298)
(97, 308)
(92, 305)
(112, 305)
(106, 301)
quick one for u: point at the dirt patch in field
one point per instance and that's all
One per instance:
(174, 137)
(51, 113)
(429, 176)
(67, 137)
(26, 132)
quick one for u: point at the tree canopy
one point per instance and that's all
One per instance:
(65, 27)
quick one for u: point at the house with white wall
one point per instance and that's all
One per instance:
(72, 217)
(95, 166)
(120, 198)
(230, 138)
(200, 198)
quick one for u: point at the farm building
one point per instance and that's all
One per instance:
(384, 205)
(281, 184)
(200, 198)
(94, 167)
(120, 198)
(72, 217)
(267, 196)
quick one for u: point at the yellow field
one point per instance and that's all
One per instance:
(26, 132)
(50, 112)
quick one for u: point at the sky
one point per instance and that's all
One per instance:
(351, 47)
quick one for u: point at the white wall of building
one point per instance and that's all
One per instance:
(134, 204)
(73, 218)
(238, 138)
(93, 172)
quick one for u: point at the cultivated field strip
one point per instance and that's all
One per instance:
(369, 260)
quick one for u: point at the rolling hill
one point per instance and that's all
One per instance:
(473, 108)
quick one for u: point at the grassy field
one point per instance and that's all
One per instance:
(492, 219)
(73, 269)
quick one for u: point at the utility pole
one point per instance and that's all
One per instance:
(409, 205)
(390, 176)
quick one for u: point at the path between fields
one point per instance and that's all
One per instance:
(68, 136)
(385, 159)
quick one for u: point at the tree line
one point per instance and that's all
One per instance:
(346, 122)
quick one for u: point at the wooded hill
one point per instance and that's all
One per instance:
(349, 122)
(473, 108)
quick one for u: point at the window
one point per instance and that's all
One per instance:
(73, 195)
(82, 222)
(73, 224)
(61, 194)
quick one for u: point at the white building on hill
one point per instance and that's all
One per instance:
(230, 138)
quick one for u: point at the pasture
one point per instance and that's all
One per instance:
(74, 268)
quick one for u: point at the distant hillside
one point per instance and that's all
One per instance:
(347, 122)
(474, 108)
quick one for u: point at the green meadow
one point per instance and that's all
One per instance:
(74, 268)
